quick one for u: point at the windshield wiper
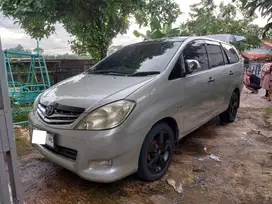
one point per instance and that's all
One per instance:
(114, 72)
(144, 73)
(109, 71)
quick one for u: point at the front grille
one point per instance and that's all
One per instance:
(62, 115)
(63, 151)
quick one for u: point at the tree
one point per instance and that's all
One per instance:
(207, 18)
(158, 30)
(154, 17)
(38, 50)
(265, 7)
(93, 23)
(164, 11)
(65, 56)
(18, 48)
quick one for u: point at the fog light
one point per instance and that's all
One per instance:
(101, 164)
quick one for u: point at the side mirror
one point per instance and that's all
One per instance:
(192, 65)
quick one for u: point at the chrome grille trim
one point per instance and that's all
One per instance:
(59, 117)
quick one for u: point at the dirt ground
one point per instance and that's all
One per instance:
(243, 174)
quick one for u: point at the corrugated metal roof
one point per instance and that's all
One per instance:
(267, 44)
(256, 56)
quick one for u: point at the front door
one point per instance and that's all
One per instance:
(198, 85)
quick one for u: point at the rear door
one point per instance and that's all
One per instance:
(234, 71)
(221, 75)
(198, 103)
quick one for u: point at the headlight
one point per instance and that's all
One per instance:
(108, 116)
(36, 102)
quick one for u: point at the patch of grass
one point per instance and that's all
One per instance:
(20, 111)
(23, 146)
(268, 111)
(20, 118)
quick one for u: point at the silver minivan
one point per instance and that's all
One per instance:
(127, 113)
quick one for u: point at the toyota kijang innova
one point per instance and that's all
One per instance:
(127, 113)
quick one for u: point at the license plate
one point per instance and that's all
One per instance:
(39, 137)
(42, 137)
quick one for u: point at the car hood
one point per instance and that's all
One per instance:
(85, 90)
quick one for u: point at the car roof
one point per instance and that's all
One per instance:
(226, 38)
(220, 38)
(217, 38)
(172, 39)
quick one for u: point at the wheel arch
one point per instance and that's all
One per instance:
(172, 123)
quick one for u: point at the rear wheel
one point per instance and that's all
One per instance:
(156, 153)
(230, 114)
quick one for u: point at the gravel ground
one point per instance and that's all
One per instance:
(243, 174)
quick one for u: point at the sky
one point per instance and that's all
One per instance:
(12, 35)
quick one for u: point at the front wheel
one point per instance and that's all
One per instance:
(156, 153)
(230, 114)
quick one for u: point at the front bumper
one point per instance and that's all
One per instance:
(115, 145)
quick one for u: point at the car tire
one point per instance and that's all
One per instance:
(156, 153)
(230, 114)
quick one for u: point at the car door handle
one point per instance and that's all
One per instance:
(230, 73)
(211, 79)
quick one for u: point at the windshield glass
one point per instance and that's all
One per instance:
(147, 57)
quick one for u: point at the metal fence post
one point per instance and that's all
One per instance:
(8, 173)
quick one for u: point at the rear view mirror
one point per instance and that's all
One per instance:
(192, 65)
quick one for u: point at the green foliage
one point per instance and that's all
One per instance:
(165, 12)
(18, 48)
(38, 50)
(265, 8)
(159, 16)
(158, 30)
(66, 56)
(92, 23)
(207, 18)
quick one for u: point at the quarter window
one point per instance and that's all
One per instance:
(231, 53)
(196, 50)
(215, 55)
(176, 71)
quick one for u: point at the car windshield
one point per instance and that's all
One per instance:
(146, 58)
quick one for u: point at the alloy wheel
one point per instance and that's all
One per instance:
(159, 152)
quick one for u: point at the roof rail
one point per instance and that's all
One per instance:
(228, 38)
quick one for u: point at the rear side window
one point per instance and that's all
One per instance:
(226, 60)
(231, 53)
(196, 50)
(215, 55)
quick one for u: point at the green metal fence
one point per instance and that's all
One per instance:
(22, 93)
